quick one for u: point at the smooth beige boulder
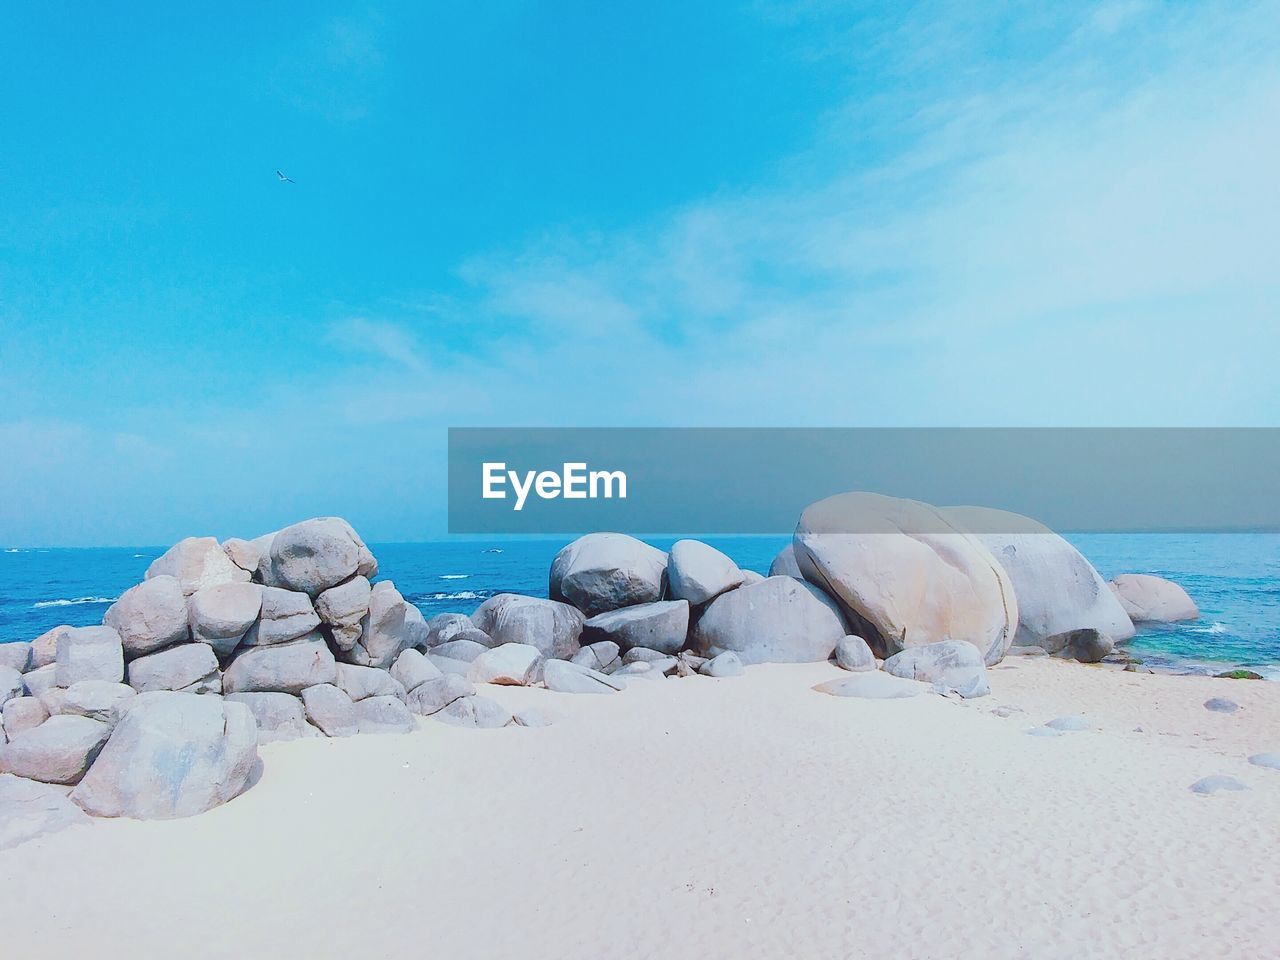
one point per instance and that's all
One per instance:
(283, 667)
(1148, 599)
(905, 575)
(149, 616)
(551, 626)
(59, 750)
(221, 615)
(778, 620)
(44, 648)
(698, 572)
(391, 626)
(196, 563)
(1056, 588)
(314, 555)
(604, 571)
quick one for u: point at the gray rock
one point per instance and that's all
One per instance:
(284, 668)
(221, 615)
(391, 626)
(285, 615)
(1207, 786)
(602, 655)
(343, 608)
(871, 686)
(444, 627)
(60, 750)
(432, 696)
(784, 564)
(605, 571)
(16, 655)
(512, 664)
(96, 699)
(1221, 705)
(549, 625)
(171, 755)
(331, 710)
(750, 576)
(44, 648)
(150, 616)
(1269, 760)
(565, 677)
(644, 653)
(465, 650)
(317, 554)
(11, 685)
(662, 625)
(450, 666)
(644, 670)
(191, 667)
(413, 668)
(853, 654)
(37, 681)
(361, 683)
(1058, 591)
(279, 716)
(727, 664)
(29, 809)
(532, 717)
(1069, 724)
(698, 572)
(475, 712)
(196, 563)
(1087, 645)
(384, 715)
(905, 575)
(89, 653)
(956, 663)
(1148, 599)
(22, 714)
(779, 620)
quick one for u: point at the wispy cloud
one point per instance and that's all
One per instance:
(336, 69)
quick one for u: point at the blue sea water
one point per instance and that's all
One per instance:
(1234, 578)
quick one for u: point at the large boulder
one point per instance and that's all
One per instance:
(95, 699)
(392, 625)
(23, 713)
(60, 750)
(191, 668)
(221, 615)
(1088, 645)
(565, 677)
(284, 668)
(433, 696)
(285, 615)
(662, 625)
(444, 627)
(413, 668)
(955, 664)
(171, 755)
(361, 683)
(16, 655)
(698, 572)
(29, 809)
(150, 616)
(1148, 599)
(779, 620)
(196, 563)
(44, 648)
(853, 654)
(551, 626)
(1056, 588)
(317, 554)
(906, 575)
(477, 713)
(384, 715)
(784, 564)
(512, 664)
(343, 608)
(248, 554)
(37, 681)
(605, 571)
(279, 716)
(89, 653)
(331, 710)
(603, 655)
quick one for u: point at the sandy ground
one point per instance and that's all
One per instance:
(734, 818)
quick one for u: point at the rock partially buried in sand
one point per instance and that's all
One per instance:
(279, 716)
(1069, 724)
(954, 663)
(1269, 760)
(853, 654)
(29, 809)
(1207, 786)
(871, 686)
(727, 664)
(361, 683)
(330, 710)
(317, 554)
(384, 715)
(778, 620)
(476, 712)
(604, 571)
(698, 572)
(564, 677)
(905, 575)
(1148, 599)
(1057, 590)
(512, 664)
(60, 750)
(662, 625)
(171, 755)
(1221, 705)
(196, 563)
(89, 653)
(532, 717)
(549, 625)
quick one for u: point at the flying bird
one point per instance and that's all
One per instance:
(284, 179)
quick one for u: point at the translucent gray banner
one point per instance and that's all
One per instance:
(758, 480)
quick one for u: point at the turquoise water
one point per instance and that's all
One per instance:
(1234, 578)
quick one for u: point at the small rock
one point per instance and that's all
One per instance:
(853, 654)
(532, 717)
(1207, 786)
(512, 664)
(643, 670)
(1043, 732)
(459, 668)
(1066, 724)
(477, 712)
(956, 663)
(444, 627)
(602, 656)
(871, 686)
(1271, 760)
(565, 677)
(1221, 705)
(16, 655)
(727, 664)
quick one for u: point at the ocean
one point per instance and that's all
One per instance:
(1233, 578)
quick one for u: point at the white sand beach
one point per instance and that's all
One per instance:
(702, 818)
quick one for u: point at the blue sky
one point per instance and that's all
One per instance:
(940, 213)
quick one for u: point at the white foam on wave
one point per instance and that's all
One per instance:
(73, 602)
(460, 595)
(1216, 629)
(454, 576)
